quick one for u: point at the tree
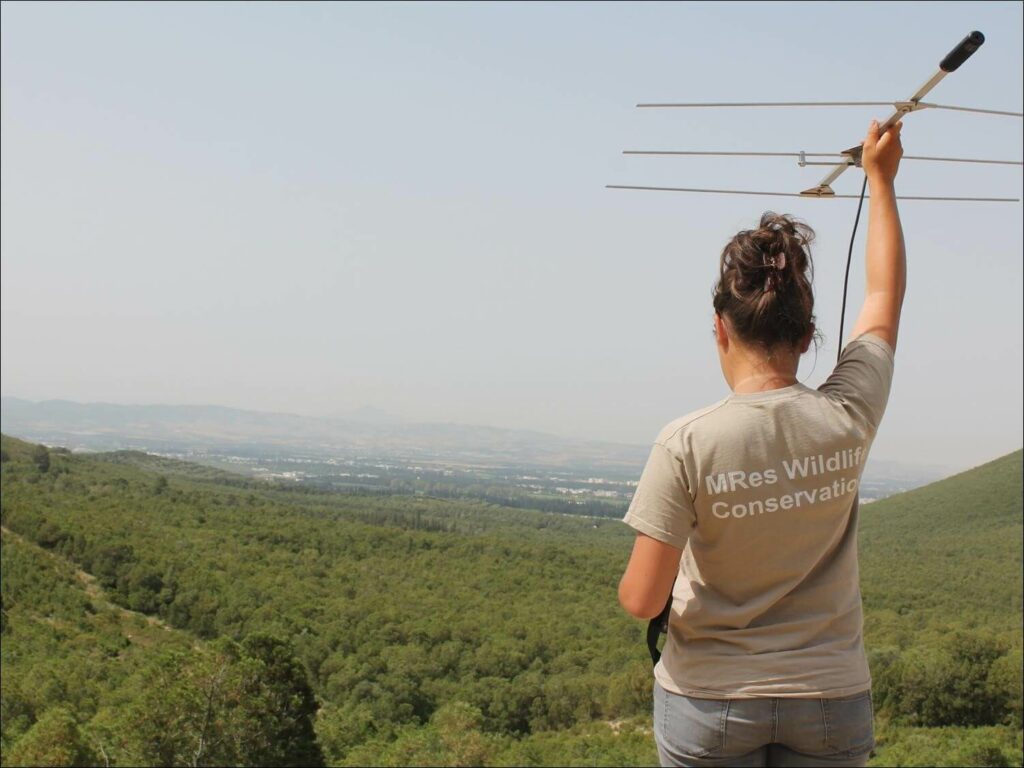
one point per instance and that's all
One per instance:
(458, 726)
(945, 683)
(1005, 684)
(247, 704)
(279, 703)
(41, 458)
(54, 740)
(171, 718)
(50, 535)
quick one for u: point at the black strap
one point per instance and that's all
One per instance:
(849, 258)
(656, 627)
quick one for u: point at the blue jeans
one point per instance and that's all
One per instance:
(763, 732)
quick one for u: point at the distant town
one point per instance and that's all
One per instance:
(564, 490)
(517, 468)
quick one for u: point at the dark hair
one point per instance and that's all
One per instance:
(764, 286)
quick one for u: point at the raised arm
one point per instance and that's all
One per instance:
(886, 258)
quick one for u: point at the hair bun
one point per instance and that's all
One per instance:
(779, 224)
(764, 286)
(775, 222)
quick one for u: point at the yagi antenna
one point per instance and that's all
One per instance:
(847, 157)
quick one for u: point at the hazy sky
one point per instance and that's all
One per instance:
(316, 207)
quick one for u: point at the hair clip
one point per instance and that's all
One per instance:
(774, 265)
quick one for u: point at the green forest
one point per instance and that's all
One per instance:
(156, 612)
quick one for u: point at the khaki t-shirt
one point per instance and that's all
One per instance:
(760, 493)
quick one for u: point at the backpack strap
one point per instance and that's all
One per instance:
(656, 627)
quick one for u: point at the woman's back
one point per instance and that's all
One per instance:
(767, 602)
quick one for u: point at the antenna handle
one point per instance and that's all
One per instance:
(962, 52)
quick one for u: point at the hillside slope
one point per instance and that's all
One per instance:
(435, 631)
(949, 550)
(63, 643)
(88, 682)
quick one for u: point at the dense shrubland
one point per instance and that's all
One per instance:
(259, 625)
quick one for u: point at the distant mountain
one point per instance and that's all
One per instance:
(370, 415)
(180, 428)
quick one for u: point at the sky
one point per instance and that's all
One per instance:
(314, 208)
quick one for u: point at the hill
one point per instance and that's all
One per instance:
(952, 548)
(87, 682)
(63, 642)
(942, 586)
(396, 607)
(441, 631)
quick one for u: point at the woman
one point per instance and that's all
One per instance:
(750, 508)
